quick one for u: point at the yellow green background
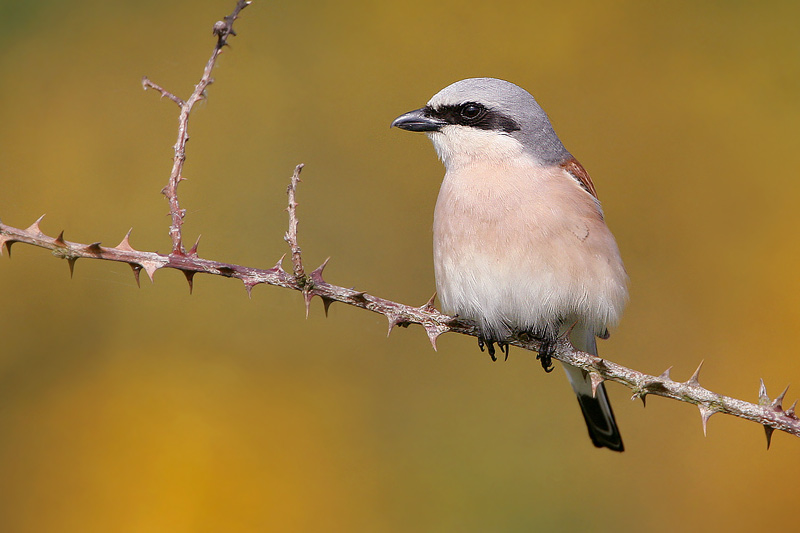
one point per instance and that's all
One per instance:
(128, 410)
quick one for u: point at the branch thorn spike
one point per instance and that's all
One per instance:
(640, 394)
(433, 332)
(327, 303)
(359, 295)
(35, 226)
(94, 248)
(7, 242)
(597, 380)
(150, 267)
(193, 249)
(71, 261)
(248, 286)
(768, 430)
(125, 243)
(665, 374)
(777, 403)
(790, 411)
(568, 332)
(394, 320)
(705, 414)
(429, 307)
(694, 380)
(59, 241)
(279, 265)
(763, 399)
(307, 296)
(190, 279)
(316, 275)
(136, 269)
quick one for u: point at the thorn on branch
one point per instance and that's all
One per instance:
(763, 399)
(326, 302)
(316, 274)
(597, 380)
(248, 286)
(777, 403)
(94, 248)
(428, 307)
(358, 296)
(435, 330)
(790, 411)
(125, 244)
(565, 336)
(705, 414)
(6, 242)
(769, 431)
(136, 269)
(190, 279)
(640, 394)
(34, 228)
(150, 267)
(193, 250)
(694, 380)
(394, 320)
(279, 265)
(308, 295)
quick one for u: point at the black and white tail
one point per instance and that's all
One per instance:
(596, 409)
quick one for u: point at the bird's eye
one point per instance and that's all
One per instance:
(471, 111)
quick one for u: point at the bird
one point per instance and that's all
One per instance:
(520, 243)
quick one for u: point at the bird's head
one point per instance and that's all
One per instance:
(485, 119)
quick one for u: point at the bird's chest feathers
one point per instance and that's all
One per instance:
(509, 206)
(510, 233)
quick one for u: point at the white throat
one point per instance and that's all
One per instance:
(459, 146)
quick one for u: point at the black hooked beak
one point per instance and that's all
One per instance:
(418, 120)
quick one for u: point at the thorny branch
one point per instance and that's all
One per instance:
(768, 412)
(291, 233)
(222, 30)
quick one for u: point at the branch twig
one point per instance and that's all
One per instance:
(222, 29)
(291, 234)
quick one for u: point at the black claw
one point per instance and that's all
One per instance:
(503, 349)
(546, 351)
(489, 344)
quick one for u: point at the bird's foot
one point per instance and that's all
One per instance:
(489, 345)
(545, 355)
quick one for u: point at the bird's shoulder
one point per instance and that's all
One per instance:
(576, 170)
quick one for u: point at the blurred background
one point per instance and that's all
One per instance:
(126, 409)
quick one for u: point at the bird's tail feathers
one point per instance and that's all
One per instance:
(596, 408)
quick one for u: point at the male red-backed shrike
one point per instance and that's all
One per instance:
(520, 245)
